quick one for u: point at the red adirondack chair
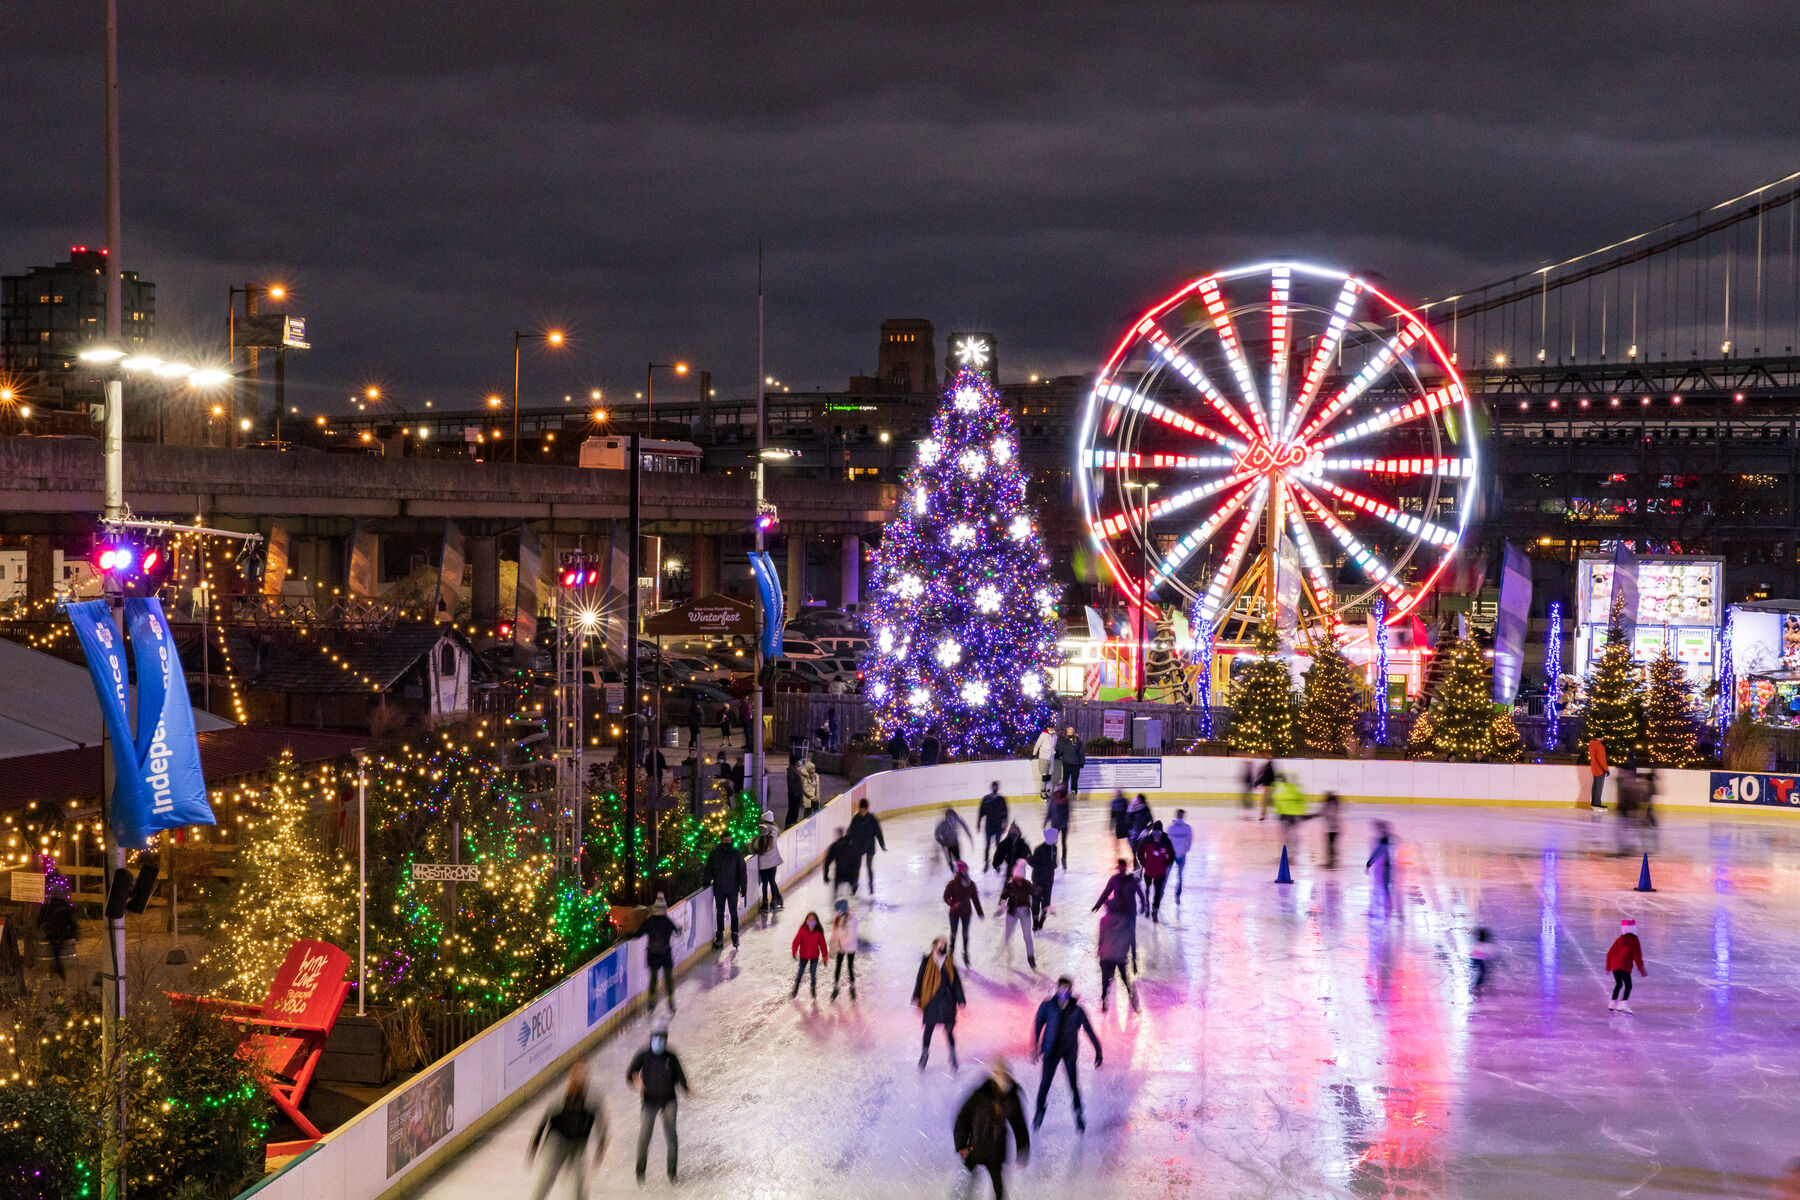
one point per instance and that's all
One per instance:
(285, 1034)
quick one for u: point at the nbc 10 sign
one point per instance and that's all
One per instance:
(1755, 788)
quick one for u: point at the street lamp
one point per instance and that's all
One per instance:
(551, 337)
(680, 368)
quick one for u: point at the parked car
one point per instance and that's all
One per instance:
(800, 647)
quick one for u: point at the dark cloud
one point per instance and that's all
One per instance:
(433, 177)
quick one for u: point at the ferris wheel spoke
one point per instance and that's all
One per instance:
(1447, 468)
(1123, 398)
(1134, 518)
(1189, 370)
(1309, 554)
(1373, 371)
(1201, 534)
(1366, 559)
(1323, 353)
(1117, 460)
(1234, 349)
(1405, 522)
(1427, 405)
(1234, 557)
(1281, 332)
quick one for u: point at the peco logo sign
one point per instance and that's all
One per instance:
(533, 1043)
(1757, 788)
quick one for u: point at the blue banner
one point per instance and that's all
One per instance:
(168, 752)
(105, 653)
(768, 587)
(1755, 787)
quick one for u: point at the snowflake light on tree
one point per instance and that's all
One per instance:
(968, 569)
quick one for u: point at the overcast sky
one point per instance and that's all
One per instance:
(429, 178)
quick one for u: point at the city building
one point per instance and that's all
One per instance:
(47, 315)
(906, 362)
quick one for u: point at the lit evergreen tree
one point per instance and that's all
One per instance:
(1463, 710)
(1329, 701)
(1423, 739)
(1262, 700)
(1669, 715)
(963, 614)
(1507, 746)
(1614, 707)
(288, 889)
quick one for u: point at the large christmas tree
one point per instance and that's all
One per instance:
(1669, 715)
(963, 619)
(1614, 708)
(1329, 703)
(1463, 709)
(1262, 700)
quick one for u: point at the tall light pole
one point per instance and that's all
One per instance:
(756, 714)
(551, 337)
(650, 369)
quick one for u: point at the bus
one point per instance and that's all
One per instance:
(609, 453)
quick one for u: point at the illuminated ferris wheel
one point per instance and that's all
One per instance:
(1279, 436)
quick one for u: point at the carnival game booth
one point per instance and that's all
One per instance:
(1678, 605)
(1764, 680)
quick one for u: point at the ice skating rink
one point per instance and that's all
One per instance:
(1294, 1040)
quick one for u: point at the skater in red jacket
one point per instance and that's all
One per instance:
(810, 949)
(1624, 954)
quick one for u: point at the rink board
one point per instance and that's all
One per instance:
(374, 1157)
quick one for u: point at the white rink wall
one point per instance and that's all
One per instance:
(491, 1075)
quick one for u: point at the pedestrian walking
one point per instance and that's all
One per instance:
(796, 790)
(564, 1133)
(929, 750)
(865, 834)
(1055, 1041)
(1018, 900)
(842, 859)
(1072, 756)
(743, 715)
(1155, 856)
(809, 950)
(962, 897)
(982, 1123)
(730, 883)
(657, 1073)
(1011, 849)
(896, 748)
(991, 816)
(767, 849)
(1597, 769)
(1181, 840)
(950, 831)
(1056, 816)
(843, 942)
(658, 932)
(1381, 865)
(1120, 822)
(1481, 952)
(937, 994)
(1043, 756)
(58, 927)
(1625, 952)
(1330, 810)
(725, 724)
(696, 717)
(1043, 875)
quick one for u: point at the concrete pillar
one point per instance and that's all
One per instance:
(796, 574)
(484, 592)
(850, 578)
(40, 569)
(703, 566)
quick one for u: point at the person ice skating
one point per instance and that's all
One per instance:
(1121, 823)
(1290, 805)
(1137, 817)
(1265, 784)
(1156, 858)
(1249, 787)
(991, 816)
(1018, 900)
(730, 883)
(565, 1132)
(1181, 840)
(1056, 816)
(843, 859)
(937, 994)
(1043, 874)
(961, 896)
(1043, 754)
(1072, 756)
(658, 933)
(842, 942)
(656, 1073)
(1123, 890)
(796, 792)
(1625, 952)
(767, 848)
(1056, 1040)
(950, 831)
(1329, 810)
(982, 1122)
(1597, 769)
(1481, 952)
(1012, 848)
(1117, 942)
(865, 834)
(809, 949)
(1381, 865)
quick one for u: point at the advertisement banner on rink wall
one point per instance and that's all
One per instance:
(1131, 774)
(1756, 787)
(606, 988)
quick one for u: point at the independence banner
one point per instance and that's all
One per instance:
(168, 753)
(105, 653)
(1511, 624)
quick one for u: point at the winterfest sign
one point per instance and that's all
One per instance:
(1756, 788)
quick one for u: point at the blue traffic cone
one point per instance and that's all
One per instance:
(1283, 875)
(1644, 877)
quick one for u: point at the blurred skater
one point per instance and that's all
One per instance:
(657, 1073)
(658, 933)
(991, 816)
(982, 1122)
(1181, 840)
(1121, 824)
(1625, 952)
(865, 834)
(1018, 900)
(843, 859)
(843, 943)
(961, 896)
(1265, 784)
(809, 951)
(950, 831)
(937, 994)
(1329, 809)
(1481, 952)
(1056, 816)
(1381, 866)
(1043, 874)
(1155, 857)
(565, 1132)
(1012, 848)
(767, 848)
(1056, 1040)
(1118, 930)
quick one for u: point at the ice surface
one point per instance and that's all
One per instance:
(1294, 1041)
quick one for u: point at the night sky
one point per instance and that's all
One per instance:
(429, 178)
